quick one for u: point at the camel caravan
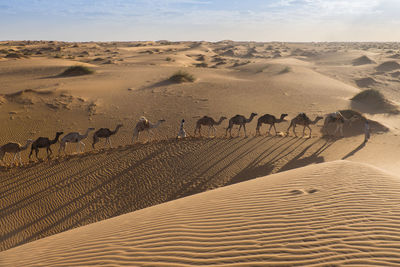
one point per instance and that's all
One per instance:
(336, 119)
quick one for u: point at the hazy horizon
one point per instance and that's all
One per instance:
(202, 20)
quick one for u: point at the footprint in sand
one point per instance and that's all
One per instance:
(312, 190)
(297, 192)
(302, 191)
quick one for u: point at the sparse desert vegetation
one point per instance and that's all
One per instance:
(372, 99)
(77, 71)
(181, 77)
(286, 69)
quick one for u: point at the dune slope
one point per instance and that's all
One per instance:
(327, 214)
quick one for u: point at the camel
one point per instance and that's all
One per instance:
(15, 148)
(302, 119)
(269, 119)
(241, 121)
(74, 137)
(44, 142)
(207, 121)
(338, 119)
(104, 133)
(144, 125)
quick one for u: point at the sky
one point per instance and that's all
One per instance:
(208, 20)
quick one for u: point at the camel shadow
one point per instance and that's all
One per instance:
(299, 161)
(254, 170)
(194, 186)
(93, 197)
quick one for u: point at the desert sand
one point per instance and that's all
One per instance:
(340, 210)
(326, 214)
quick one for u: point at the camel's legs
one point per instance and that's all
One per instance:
(105, 142)
(340, 127)
(269, 130)
(95, 140)
(83, 144)
(36, 153)
(325, 129)
(244, 128)
(19, 156)
(240, 127)
(294, 130)
(276, 133)
(215, 131)
(15, 156)
(150, 135)
(135, 136)
(63, 146)
(109, 142)
(291, 125)
(199, 130)
(309, 129)
(226, 132)
(211, 128)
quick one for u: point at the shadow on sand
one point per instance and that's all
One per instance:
(351, 153)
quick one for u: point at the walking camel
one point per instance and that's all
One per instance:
(207, 121)
(44, 142)
(337, 119)
(104, 133)
(241, 121)
(74, 137)
(302, 119)
(269, 119)
(144, 125)
(15, 148)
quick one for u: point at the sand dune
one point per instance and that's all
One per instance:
(48, 197)
(362, 61)
(365, 82)
(388, 66)
(338, 213)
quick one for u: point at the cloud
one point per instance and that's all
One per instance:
(211, 19)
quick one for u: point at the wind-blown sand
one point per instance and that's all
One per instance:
(336, 213)
(350, 218)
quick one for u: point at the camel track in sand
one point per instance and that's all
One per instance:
(45, 198)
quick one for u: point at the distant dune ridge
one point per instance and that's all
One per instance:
(388, 66)
(373, 101)
(366, 82)
(336, 213)
(363, 60)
